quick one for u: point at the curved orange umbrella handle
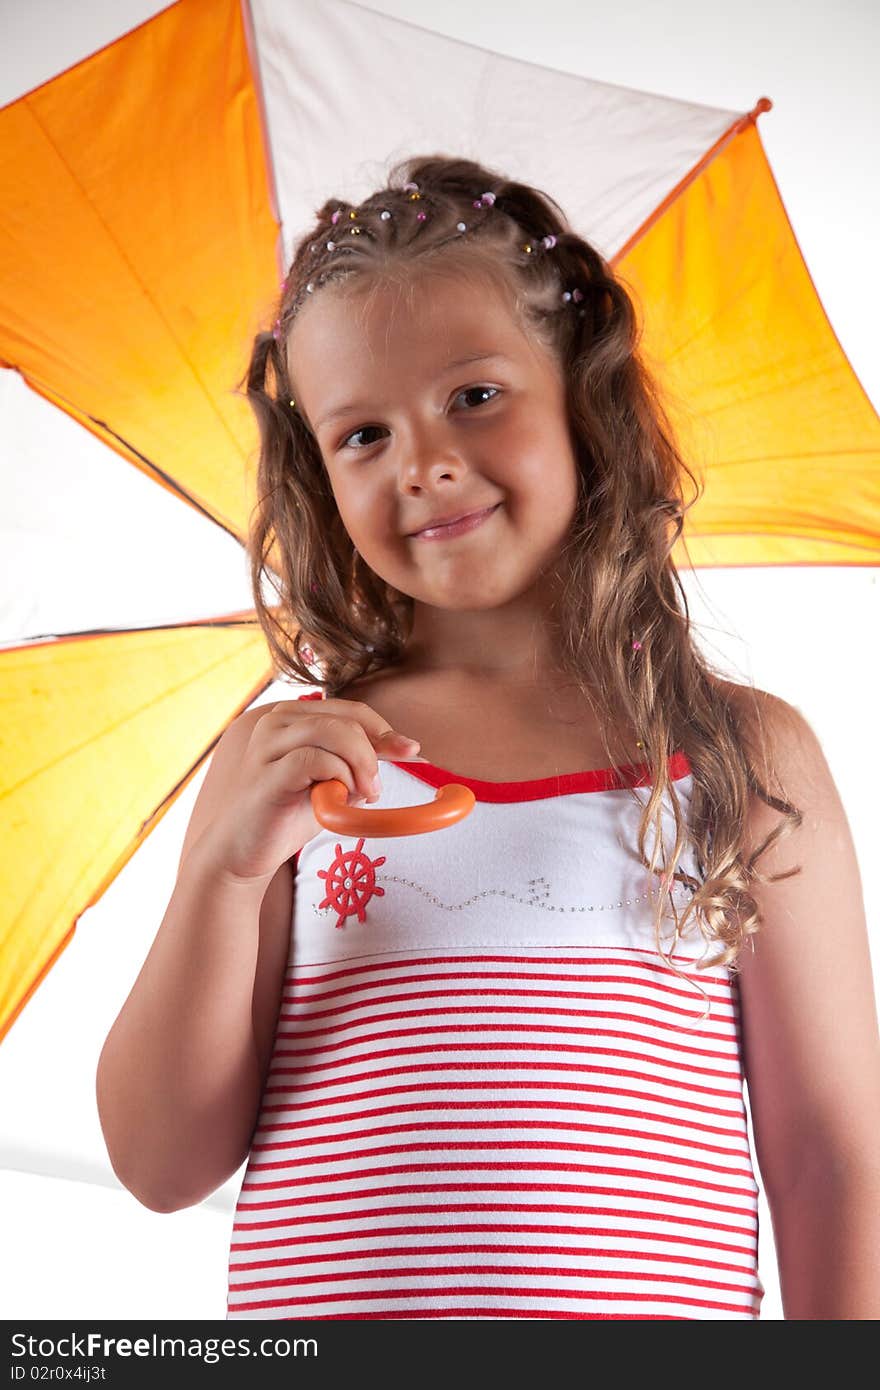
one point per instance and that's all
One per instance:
(330, 806)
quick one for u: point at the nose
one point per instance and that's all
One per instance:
(428, 455)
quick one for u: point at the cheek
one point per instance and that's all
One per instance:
(546, 469)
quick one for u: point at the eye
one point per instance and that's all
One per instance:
(468, 389)
(365, 429)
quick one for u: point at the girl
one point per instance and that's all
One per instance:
(493, 1071)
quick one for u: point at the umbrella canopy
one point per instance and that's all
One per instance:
(137, 264)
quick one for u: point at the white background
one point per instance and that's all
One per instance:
(78, 1246)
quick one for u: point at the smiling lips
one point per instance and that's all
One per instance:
(469, 522)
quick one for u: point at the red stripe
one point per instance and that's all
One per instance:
(395, 1252)
(489, 1082)
(664, 985)
(602, 779)
(560, 1272)
(623, 1295)
(301, 1198)
(431, 1125)
(499, 1086)
(674, 1218)
(504, 1044)
(341, 991)
(420, 1030)
(389, 1169)
(483, 995)
(657, 1025)
(522, 1146)
(473, 1314)
(558, 1105)
(486, 1228)
(407, 962)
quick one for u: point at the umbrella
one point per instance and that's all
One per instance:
(135, 268)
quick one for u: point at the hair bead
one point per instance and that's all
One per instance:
(485, 200)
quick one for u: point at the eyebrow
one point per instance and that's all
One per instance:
(353, 406)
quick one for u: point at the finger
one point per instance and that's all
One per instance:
(336, 734)
(375, 725)
(300, 768)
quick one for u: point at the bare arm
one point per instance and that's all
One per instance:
(811, 1043)
(181, 1073)
(179, 1080)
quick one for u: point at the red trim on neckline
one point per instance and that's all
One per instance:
(601, 779)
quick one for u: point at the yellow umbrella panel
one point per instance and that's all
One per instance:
(755, 379)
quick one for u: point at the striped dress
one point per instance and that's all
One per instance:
(489, 1097)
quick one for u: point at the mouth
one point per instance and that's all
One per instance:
(470, 522)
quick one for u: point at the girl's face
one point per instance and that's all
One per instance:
(411, 432)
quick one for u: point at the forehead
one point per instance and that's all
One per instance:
(363, 331)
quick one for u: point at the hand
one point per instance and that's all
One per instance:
(268, 815)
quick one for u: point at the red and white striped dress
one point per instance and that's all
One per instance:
(489, 1097)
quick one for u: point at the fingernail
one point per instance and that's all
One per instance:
(376, 784)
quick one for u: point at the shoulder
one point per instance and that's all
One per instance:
(784, 749)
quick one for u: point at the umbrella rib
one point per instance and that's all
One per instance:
(741, 123)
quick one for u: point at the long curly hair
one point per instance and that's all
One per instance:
(624, 628)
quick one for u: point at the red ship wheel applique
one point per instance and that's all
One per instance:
(351, 882)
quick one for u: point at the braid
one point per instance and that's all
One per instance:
(438, 206)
